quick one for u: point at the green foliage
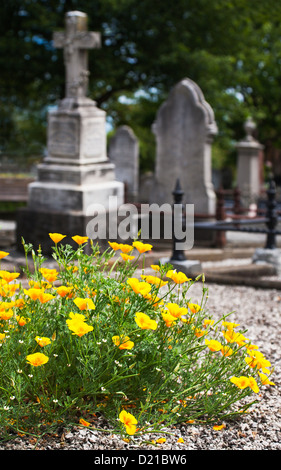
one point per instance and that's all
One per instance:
(231, 49)
(88, 338)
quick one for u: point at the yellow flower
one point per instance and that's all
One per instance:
(37, 359)
(161, 440)
(6, 314)
(80, 240)
(226, 351)
(213, 345)
(198, 332)
(253, 385)
(129, 421)
(244, 382)
(6, 305)
(156, 301)
(250, 347)
(155, 267)
(42, 341)
(208, 322)
(126, 257)
(180, 440)
(241, 382)
(138, 287)
(34, 292)
(3, 254)
(43, 298)
(76, 316)
(123, 342)
(178, 278)
(2, 336)
(84, 423)
(145, 322)
(175, 310)
(257, 360)
(56, 237)
(64, 291)
(230, 325)
(142, 247)
(8, 290)
(194, 308)
(78, 325)
(168, 318)
(125, 248)
(232, 337)
(84, 304)
(22, 320)
(7, 276)
(49, 274)
(154, 280)
(219, 427)
(115, 246)
(265, 380)
(19, 303)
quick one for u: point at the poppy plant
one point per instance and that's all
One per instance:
(37, 359)
(42, 341)
(213, 345)
(244, 382)
(3, 254)
(56, 237)
(80, 240)
(142, 247)
(84, 304)
(123, 342)
(145, 322)
(178, 278)
(175, 310)
(129, 422)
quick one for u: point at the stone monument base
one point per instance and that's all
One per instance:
(34, 227)
(268, 256)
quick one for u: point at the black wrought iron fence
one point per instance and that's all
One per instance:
(267, 225)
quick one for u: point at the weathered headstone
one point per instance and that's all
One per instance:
(184, 130)
(124, 153)
(76, 171)
(249, 164)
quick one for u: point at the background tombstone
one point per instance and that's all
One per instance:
(249, 164)
(184, 130)
(76, 172)
(124, 153)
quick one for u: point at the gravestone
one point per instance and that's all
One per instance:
(76, 172)
(249, 164)
(124, 153)
(184, 129)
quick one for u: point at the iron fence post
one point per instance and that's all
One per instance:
(178, 254)
(220, 215)
(271, 215)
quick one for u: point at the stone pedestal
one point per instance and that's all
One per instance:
(76, 172)
(249, 165)
(268, 256)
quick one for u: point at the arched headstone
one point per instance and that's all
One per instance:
(184, 130)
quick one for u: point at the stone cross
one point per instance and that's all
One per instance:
(75, 41)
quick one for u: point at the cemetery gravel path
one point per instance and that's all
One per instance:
(258, 311)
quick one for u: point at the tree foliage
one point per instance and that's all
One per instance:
(232, 49)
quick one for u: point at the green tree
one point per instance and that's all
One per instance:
(232, 49)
